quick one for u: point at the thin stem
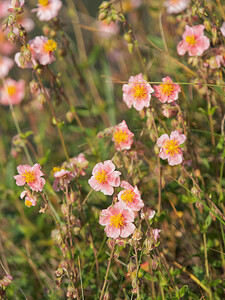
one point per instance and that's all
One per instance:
(107, 271)
(137, 270)
(206, 256)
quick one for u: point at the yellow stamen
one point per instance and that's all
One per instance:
(28, 203)
(120, 136)
(128, 196)
(11, 90)
(190, 39)
(29, 176)
(117, 220)
(56, 169)
(139, 92)
(166, 88)
(172, 148)
(50, 46)
(101, 176)
(43, 2)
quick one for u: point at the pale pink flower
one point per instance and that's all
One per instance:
(47, 9)
(122, 136)
(170, 147)
(131, 196)
(27, 23)
(137, 92)
(5, 65)
(79, 163)
(105, 177)
(222, 29)
(12, 92)
(156, 234)
(30, 200)
(193, 41)
(62, 178)
(118, 220)
(43, 49)
(167, 91)
(4, 5)
(6, 48)
(215, 62)
(147, 213)
(176, 6)
(31, 176)
(106, 30)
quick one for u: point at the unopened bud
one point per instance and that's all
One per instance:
(102, 16)
(214, 31)
(199, 206)
(34, 88)
(127, 38)
(137, 235)
(69, 116)
(207, 25)
(130, 47)
(104, 5)
(12, 37)
(130, 267)
(147, 213)
(46, 30)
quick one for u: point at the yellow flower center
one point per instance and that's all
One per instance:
(28, 203)
(117, 220)
(56, 169)
(139, 92)
(29, 176)
(171, 147)
(120, 136)
(11, 90)
(43, 2)
(50, 46)
(101, 176)
(128, 196)
(166, 88)
(190, 39)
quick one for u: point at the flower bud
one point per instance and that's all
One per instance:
(69, 116)
(137, 235)
(11, 37)
(130, 47)
(147, 213)
(34, 88)
(127, 38)
(105, 5)
(102, 16)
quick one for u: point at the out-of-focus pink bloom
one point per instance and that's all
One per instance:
(137, 92)
(222, 29)
(16, 4)
(176, 6)
(31, 176)
(62, 178)
(43, 49)
(156, 234)
(193, 41)
(6, 48)
(47, 9)
(167, 91)
(107, 30)
(79, 163)
(131, 4)
(131, 196)
(122, 137)
(12, 92)
(30, 200)
(169, 110)
(215, 62)
(170, 147)
(105, 177)
(147, 213)
(27, 23)
(6, 280)
(5, 65)
(118, 220)
(4, 5)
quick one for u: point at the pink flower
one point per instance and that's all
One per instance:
(222, 29)
(122, 137)
(170, 147)
(156, 234)
(176, 6)
(12, 92)
(118, 220)
(62, 178)
(6, 47)
(4, 5)
(131, 196)
(5, 65)
(105, 178)
(194, 41)
(43, 49)
(30, 200)
(47, 9)
(79, 163)
(31, 176)
(137, 92)
(215, 62)
(167, 91)
(107, 30)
